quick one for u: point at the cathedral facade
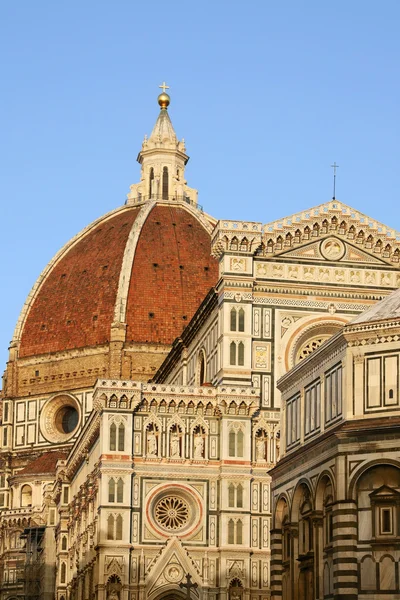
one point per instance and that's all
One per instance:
(140, 411)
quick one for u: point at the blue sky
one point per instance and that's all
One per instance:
(266, 94)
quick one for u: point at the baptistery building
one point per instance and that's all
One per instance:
(140, 413)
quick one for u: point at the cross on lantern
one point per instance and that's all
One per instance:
(188, 585)
(164, 86)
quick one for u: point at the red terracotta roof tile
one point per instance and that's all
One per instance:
(172, 272)
(45, 464)
(75, 305)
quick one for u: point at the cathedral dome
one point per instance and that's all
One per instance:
(144, 267)
(115, 297)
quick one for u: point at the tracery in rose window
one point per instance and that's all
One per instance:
(172, 512)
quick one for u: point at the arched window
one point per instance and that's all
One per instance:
(231, 495)
(26, 495)
(235, 495)
(110, 527)
(63, 575)
(232, 443)
(165, 183)
(233, 318)
(240, 439)
(239, 532)
(121, 437)
(111, 490)
(151, 179)
(113, 437)
(231, 531)
(118, 535)
(239, 496)
(117, 437)
(120, 490)
(236, 443)
(232, 360)
(241, 354)
(235, 532)
(241, 319)
(64, 542)
(202, 368)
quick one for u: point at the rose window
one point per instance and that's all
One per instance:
(172, 512)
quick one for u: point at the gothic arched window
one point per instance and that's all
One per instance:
(151, 179)
(117, 437)
(239, 443)
(121, 437)
(231, 531)
(110, 527)
(239, 532)
(165, 183)
(235, 531)
(64, 543)
(233, 318)
(202, 368)
(239, 496)
(231, 495)
(63, 575)
(232, 357)
(120, 490)
(111, 490)
(113, 437)
(118, 534)
(232, 443)
(236, 443)
(241, 354)
(241, 319)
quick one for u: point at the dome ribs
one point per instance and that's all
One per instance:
(172, 272)
(75, 302)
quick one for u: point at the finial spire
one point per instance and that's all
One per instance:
(334, 167)
(163, 98)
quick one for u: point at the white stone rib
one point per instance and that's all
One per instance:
(127, 262)
(60, 254)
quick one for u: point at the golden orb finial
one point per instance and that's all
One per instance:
(163, 98)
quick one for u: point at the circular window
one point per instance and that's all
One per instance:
(67, 419)
(174, 510)
(60, 418)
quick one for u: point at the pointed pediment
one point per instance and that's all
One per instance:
(169, 569)
(364, 239)
(384, 492)
(332, 249)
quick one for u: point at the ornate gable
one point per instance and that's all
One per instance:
(169, 568)
(332, 248)
(332, 231)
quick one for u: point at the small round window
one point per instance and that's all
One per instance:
(60, 418)
(67, 419)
